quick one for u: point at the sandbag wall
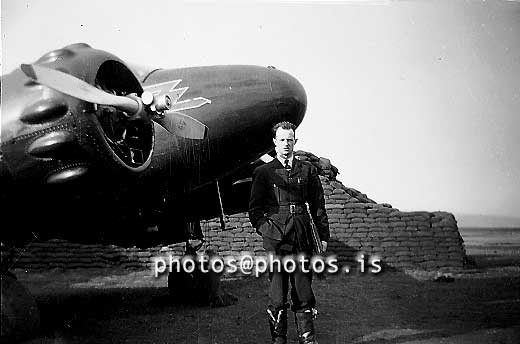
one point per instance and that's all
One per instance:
(358, 225)
(422, 240)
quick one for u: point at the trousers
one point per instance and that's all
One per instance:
(302, 296)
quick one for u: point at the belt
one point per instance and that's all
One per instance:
(292, 209)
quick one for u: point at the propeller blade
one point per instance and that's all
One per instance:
(183, 125)
(174, 122)
(78, 88)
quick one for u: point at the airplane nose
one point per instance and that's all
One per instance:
(292, 99)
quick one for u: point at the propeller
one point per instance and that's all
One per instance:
(147, 106)
(182, 125)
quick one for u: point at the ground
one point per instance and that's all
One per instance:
(107, 306)
(481, 304)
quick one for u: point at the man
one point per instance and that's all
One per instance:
(280, 193)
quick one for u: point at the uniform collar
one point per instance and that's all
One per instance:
(282, 160)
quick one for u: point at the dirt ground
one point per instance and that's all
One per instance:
(481, 305)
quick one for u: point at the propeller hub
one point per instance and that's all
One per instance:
(162, 103)
(147, 98)
(159, 103)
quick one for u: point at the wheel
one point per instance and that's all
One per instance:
(20, 314)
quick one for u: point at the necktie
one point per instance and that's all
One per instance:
(287, 166)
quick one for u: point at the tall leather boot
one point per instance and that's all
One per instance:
(278, 325)
(305, 326)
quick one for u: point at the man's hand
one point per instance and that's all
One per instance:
(324, 244)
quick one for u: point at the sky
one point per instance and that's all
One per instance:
(416, 102)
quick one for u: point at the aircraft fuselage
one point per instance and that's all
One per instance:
(55, 147)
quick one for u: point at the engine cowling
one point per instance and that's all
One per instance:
(53, 138)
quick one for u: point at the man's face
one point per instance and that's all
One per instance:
(284, 142)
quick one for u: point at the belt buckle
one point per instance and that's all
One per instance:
(292, 208)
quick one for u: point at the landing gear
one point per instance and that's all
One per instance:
(20, 314)
(198, 287)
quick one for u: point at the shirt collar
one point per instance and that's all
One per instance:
(282, 160)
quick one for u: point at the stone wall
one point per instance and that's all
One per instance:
(420, 240)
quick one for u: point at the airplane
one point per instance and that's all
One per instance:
(96, 150)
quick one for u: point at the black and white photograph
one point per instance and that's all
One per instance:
(260, 171)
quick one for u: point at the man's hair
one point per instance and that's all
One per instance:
(283, 125)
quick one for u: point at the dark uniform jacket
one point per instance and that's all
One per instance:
(277, 207)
